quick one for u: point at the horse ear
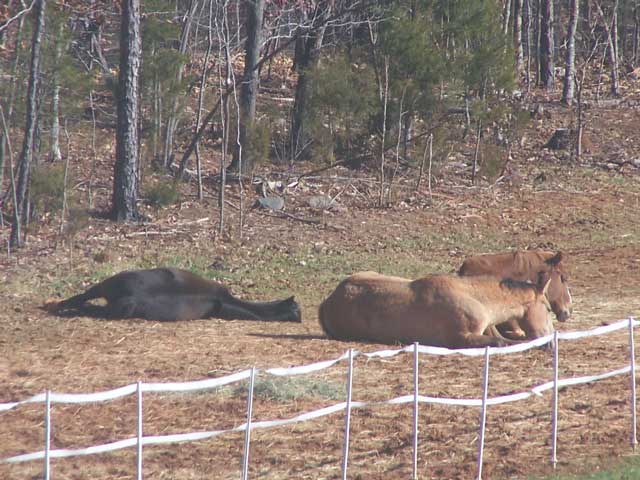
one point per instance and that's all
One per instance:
(555, 260)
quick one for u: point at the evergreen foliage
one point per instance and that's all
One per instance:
(161, 194)
(341, 104)
(47, 187)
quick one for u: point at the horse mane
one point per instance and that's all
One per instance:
(517, 284)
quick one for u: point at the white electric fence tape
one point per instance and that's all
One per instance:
(297, 370)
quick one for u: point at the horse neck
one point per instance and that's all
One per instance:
(505, 304)
(505, 312)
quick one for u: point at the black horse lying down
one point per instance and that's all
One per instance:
(173, 294)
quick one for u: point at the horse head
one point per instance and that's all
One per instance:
(558, 292)
(538, 319)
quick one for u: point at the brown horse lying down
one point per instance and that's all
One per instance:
(526, 266)
(439, 310)
(172, 294)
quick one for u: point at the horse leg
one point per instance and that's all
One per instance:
(512, 330)
(77, 302)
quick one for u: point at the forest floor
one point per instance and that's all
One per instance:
(589, 210)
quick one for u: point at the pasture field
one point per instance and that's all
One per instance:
(589, 213)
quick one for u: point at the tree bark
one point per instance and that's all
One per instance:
(250, 84)
(506, 16)
(570, 61)
(546, 45)
(636, 35)
(526, 35)
(56, 156)
(517, 34)
(125, 178)
(26, 155)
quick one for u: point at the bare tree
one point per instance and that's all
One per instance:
(570, 60)
(612, 50)
(125, 178)
(55, 101)
(517, 34)
(385, 102)
(8, 101)
(173, 118)
(250, 82)
(636, 34)
(526, 35)
(546, 44)
(203, 85)
(24, 167)
(506, 16)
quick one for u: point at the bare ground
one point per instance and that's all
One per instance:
(587, 212)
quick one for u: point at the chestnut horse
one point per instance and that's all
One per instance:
(438, 310)
(172, 294)
(526, 266)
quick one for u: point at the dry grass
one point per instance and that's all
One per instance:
(590, 215)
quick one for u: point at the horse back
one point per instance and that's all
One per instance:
(158, 282)
(520, 265)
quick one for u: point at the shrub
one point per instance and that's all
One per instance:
(47, 187)
(161, 194)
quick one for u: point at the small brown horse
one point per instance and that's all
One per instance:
(526, 266)
(169, 294)
(439, 310)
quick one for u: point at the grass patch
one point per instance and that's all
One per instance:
(626, 470)
(287, 389)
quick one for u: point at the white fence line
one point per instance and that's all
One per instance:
(49, 397)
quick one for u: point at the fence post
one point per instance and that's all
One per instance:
(47, 435)
(483, 413)
(554, 412)
(247, 432)
(139, 432)
(632, 354)
(415, 411)
(347, 418)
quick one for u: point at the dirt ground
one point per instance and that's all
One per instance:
(589, 212)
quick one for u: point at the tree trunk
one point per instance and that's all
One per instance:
(546, 44)
(506, 16)
(636, 35)
(306, 58)
(30, 125)
(526, 35)
(570, 61)
(612, 50)
(125, 178)
(250, 83)
(385, 102)
(56, 156)
(517, 34)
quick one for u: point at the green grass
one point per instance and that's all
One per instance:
(627, 470)
(287, 389)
